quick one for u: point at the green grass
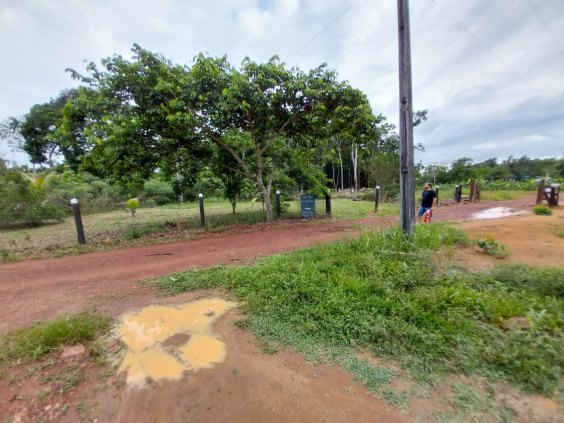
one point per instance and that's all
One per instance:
(117, 228)
(36, 341)
(492, 247)
(500, 195)
(344, 208)
(542, 210)
(446, 193)
(382, 293)
(471, 405)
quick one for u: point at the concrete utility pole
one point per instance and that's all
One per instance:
(407, 168)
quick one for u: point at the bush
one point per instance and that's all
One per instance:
(492, 247)
(94, 193)
(369, 195)
(132, 205)
(24, 200)
(542, 210)
(159, 192)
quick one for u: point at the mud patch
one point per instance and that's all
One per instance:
(164, 342)
(497, 212)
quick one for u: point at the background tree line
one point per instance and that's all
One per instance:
(511, 169)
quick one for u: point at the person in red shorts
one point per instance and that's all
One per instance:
(428, 202)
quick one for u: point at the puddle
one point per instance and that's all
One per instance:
(166, 341)
(497, 212)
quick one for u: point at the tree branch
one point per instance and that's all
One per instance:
(224, 166)
(271, 140)
(233, 153)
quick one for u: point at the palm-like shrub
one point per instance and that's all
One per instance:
(24, 200)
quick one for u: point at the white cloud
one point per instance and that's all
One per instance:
(254, 21)
(9, 18)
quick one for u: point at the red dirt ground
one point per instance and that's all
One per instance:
(249, 385)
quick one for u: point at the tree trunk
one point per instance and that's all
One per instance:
(265, 190)
(267, 203)
(354, 158)
(341, 163)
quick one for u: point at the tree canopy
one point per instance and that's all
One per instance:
(148, 114)
(42, 137)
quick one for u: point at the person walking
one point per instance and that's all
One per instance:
(428, 202)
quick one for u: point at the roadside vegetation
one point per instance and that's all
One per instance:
(45, 337)
(45, 366)
(171, 222)
(383, 294)
(542, 210)
(493, 247)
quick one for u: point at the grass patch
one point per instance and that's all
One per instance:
(542, 210)
(471, 405)
(137, 231)
(500, 195)
(493, 247)
(345, 208)
(7, 256)
(381, 292)
(39, 340)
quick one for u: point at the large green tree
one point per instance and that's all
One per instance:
(272, 120)
(44, 140)
(129, 126)
(152, 114)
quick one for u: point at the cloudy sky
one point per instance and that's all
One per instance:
(490, 73)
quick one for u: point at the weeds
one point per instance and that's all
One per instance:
(500, 195)
(135, 232)
(68, 380)
(492, 247)
(43, 393)
(542, 210)
(38, 340)
(6, 256)
(471, 405)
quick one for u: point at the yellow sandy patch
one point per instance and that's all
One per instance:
(203, 351)
(146, 331)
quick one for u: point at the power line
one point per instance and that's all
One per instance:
(543, 23)
(325, 28)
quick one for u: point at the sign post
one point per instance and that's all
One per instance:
(78, 221)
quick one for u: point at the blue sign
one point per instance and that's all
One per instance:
(307, 203)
